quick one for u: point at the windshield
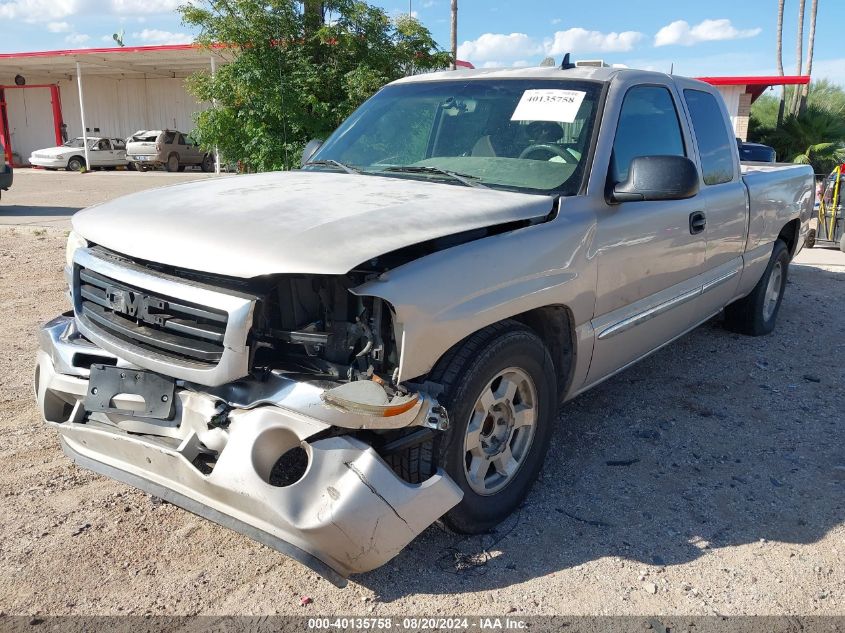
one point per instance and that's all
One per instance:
(74, 142)
(523, 135)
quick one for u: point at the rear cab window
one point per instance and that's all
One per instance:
(648, 126)
(715, 144)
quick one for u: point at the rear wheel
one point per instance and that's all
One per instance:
(842, 243)
(75, 163)
(173, 163)
(500, 392)
(757, 313)
(810, 242)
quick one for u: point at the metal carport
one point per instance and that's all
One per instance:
(103, 91)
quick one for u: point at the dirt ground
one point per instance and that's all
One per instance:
(709, 478)
(41, 198)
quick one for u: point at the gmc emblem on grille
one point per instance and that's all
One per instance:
(137, 305)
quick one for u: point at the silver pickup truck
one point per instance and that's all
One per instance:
(329, 360)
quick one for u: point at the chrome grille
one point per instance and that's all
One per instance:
(176, 326)
(159, 323)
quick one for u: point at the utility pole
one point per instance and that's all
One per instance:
(454, 34)
(410, 8)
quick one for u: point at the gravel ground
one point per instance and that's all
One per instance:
(710, 478)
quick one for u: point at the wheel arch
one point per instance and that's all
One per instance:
(79, 158)
(555, 326)
(790, 234)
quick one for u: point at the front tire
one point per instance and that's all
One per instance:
(810, 242)
(75, 163)
(500, 392)
(756, 314)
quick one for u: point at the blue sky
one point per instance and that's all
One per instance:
(717, 37)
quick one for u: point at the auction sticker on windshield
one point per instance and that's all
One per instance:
(548, 105)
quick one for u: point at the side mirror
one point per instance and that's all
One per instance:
(658, 178)
(310, 150)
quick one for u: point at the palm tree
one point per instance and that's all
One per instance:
(799, 52)
(813, 137)
(805, 90)
(454, 34)
(824, 157)
(780, 61)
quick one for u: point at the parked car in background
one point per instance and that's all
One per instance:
(756, 152)
(5, 173)
(102, 152)
(171, 149)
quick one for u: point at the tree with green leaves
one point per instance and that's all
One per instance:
(815, 136)
(295, 71)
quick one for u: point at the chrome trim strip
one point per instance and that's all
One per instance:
(650, 313)
(719, 280)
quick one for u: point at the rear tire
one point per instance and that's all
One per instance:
(173, 163)
(501, 395)
(756, 314)
(842, 243)
(810, 242)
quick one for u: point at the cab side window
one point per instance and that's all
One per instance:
(648, 126)
(715, 145)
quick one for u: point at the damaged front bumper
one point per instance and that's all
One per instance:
(345, 512)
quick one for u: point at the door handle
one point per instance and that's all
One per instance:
(697, 222)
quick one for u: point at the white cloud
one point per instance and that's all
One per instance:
(498, 46)
(77, 39)
(156, 36)
(830, 69)
(578, 40)
(138, 7)
(58, 27)
(500, 49)
(53, 10)
(681, 33)
(39, 10)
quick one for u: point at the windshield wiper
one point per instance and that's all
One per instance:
(330, 162)
(466, 179)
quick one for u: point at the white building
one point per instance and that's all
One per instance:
(122, 89)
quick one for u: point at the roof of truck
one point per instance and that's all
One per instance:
(593, 73)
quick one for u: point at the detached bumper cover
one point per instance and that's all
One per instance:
(348, 513)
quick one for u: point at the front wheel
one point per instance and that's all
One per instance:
(75, 164)
(500, 391)
(208, 163)
(757, 313)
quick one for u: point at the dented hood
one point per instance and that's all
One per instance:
(294, 222)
